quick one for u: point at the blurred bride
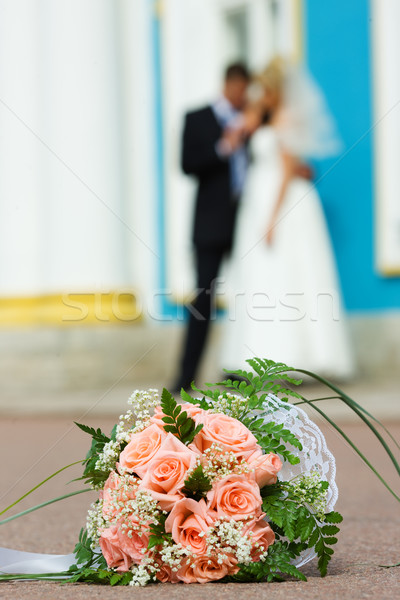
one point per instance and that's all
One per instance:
(285, 302)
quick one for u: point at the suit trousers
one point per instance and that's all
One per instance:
(202, 309)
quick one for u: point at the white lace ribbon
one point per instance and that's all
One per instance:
(17, 562)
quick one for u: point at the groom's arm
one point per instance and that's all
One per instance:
(199, 153)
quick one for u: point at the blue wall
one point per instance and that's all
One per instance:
(338, 53)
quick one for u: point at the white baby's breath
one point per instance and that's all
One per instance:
(137, 418)
(230, 404)
(227, 537)
(95, 522)
(219, 463)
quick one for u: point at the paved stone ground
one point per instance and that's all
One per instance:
(93, 370)
(33, 448)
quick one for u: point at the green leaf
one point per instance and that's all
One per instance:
(268, 378)
(154, 540)
(333, 517)
(182, 418)
(91, 475)
(313, 538)
(276, 565)
(329, 530)
(331, 541)
(169, 420)
(290, 518)
(96, 434)
(177, 421)
(306, 527)
(187, 397)
(197, 484)
(101, 576)
(158, 534)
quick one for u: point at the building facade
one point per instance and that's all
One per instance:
(94, 211)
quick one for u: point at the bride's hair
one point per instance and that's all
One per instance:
(273, 76)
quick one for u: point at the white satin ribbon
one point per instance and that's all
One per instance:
(17, 562)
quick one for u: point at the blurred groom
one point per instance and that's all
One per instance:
(215, 153)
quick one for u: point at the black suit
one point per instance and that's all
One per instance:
(213, 226)
(215, 210)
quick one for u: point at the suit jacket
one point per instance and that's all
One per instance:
(215, 209)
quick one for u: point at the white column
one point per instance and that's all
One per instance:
(139, 143)
(86, 225)
(20, 192)
(386, 78)
(63, 220)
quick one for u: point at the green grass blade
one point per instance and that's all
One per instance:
(40, 484)
(395, 442)
(29, 510)
(355, 448)
(359, 410)
(62, 576)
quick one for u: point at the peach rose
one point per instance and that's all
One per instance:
(266, 468)
(167, 471)
(112, 493)
(204, 569)
(136, 456)
(165, 574)
(189, 522)
(235, 496)
(109, 543)
(261, 534)
(228, 432)
(133, 541)
(123, 547)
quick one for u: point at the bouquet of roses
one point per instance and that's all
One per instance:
(190, 493)
(235, 485)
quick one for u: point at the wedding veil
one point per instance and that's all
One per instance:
(306, 126)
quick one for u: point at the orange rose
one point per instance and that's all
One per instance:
(166, 473)
(266, 468)
(262, 535)
(204, 569)
(142, 447)
(228, 432)
(189, 522)
(235, 496)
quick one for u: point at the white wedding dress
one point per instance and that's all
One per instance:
(284, 298)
